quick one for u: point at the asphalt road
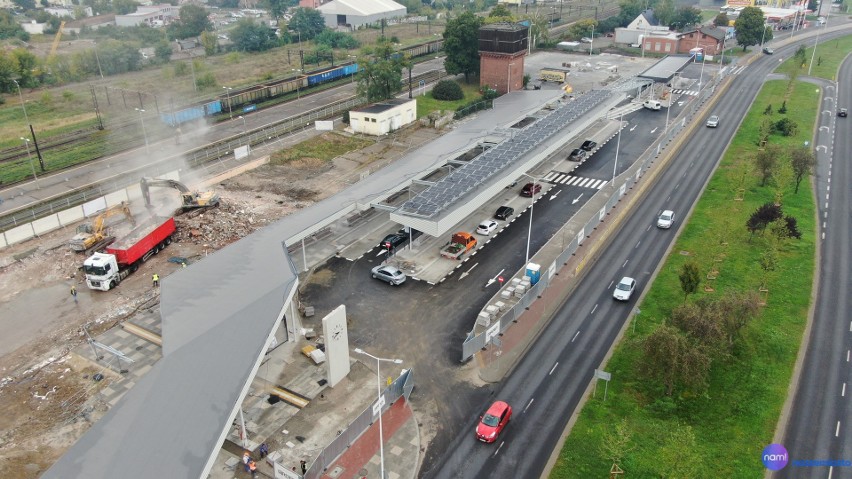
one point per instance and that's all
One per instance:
(548, 383)
(820, 419)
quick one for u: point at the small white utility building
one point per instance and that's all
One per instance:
(383, 117)
(353, 14)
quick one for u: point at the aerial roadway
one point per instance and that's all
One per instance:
(546, 386)
(820, 421)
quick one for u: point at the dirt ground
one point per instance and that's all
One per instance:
(45, 390)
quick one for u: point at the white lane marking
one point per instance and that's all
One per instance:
(843, 392)
(837, 430)
(637, 244)
(529, 404)
(848, 351)
(498, 448)
(627, 260)
(551, 372)
(575, 336)
(594, 309)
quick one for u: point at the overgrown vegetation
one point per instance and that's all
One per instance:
(325, 148)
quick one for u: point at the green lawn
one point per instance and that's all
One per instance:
(736, 419)
(828, 57)
(325, 148)
(426, 104)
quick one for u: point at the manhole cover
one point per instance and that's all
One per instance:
(335, 472)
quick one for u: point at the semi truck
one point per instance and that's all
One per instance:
(105, 271)
(460, 244)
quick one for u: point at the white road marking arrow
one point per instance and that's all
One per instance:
(467, 272)
(494, 279)
(575, 200)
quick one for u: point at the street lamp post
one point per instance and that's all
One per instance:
(669, 108)
(144, 133)
(228, 96)
(298, 89)
(379, 404)
(617, 146)
(27, 144)
(701, 77)
(592, 40)
(532, 206)
(245, 129)
(21, 96)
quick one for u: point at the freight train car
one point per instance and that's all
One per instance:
(331, 74)
(178, 117)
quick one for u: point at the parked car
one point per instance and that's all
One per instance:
(586, 40)
(395, 239)
(531, 189)
(504, 212)
(577, 154)
(652, 105)
(492, 423)
(713, 121)
(666, 219)
(388, 274)
(624, 289)
(768, 51)
(589, 145)
(842, 112)
(486, 227)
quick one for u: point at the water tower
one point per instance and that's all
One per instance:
(502, 47)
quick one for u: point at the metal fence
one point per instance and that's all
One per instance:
(401, 387)
(476, 341)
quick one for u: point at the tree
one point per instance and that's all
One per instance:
(249, 36)
(381, 78)
(124, 7)
(812, 5)
(802, 161)
(8, 72)
(9, 28)
(191, 22)
(765, 214)
(500, 11)
(582, 28)
(664, 11)
(278, 7)
(461, 44)
(690, 278)
(616, 444)
(750, 27)
(163, 51)
(25, 4)
(765, 161)
(629, 10)
(685, 16)
(210, 43)
(721, 20)
(671, 359)
(27, 65)
(308, 22)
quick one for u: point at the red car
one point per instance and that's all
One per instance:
(493, 422)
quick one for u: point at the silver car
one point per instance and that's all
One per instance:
(713, 121)
(666, 219)
(389, 274)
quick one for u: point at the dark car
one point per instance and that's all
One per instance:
(394, 239)
(589, 145)
(492, 423)
(529, 187)
(504, 212)
(842, 112)
(768, 51)
(577, 154)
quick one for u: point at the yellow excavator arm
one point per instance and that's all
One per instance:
(90, 234)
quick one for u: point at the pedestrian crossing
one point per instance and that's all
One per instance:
(685, 92)
(560, 178)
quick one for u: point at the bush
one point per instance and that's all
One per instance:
(785, 127)
(447, 90)
(346, 117)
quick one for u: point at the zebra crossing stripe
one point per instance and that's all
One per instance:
(551, 175)
(558, 177)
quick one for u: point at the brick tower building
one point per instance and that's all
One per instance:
(502, 47)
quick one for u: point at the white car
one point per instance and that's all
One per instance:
(486, 227)
(624, 289)
(666, 219)
(713, 121)
(389, 274)
(586, 40)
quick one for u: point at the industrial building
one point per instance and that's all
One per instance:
(353, 14)
(383, 117)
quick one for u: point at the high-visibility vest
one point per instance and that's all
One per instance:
(252, 466)
(156, 277)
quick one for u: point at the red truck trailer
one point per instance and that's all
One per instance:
(105, 270)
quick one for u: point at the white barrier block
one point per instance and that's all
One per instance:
(483, 319)
(492, 310)
(500, 305)
(506, 294)
(19, 234)
(71, 215)
(46, 225)
(116, 197)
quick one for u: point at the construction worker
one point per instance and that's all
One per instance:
(156, 279)
(252, 468)
(246, 460)
(74, 292)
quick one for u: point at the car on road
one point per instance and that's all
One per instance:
(395, 239)
(768, 51)
(492, 423)
(624, 289)
(388, 274)
(652, 105)
(577, 154)
(842, 112)
(666, 219)
(504, 212)
(586, 40)
(589, 145)
(486, 227)
(530, 189)
(713, 121)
